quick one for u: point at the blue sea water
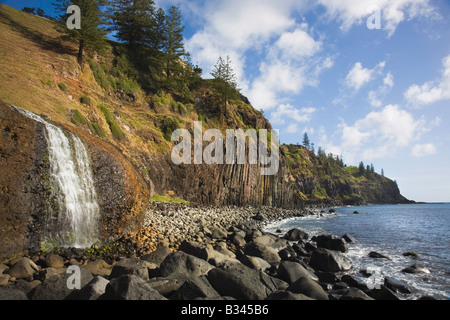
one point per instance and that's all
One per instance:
(391, 230)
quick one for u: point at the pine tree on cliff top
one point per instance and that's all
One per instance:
(92, 34)
(133, 21)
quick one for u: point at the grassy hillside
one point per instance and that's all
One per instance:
(40, 73)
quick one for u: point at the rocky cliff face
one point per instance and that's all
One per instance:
(22, 153)
(228, 184)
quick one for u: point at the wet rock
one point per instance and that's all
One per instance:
(340, 285)
(376, 255)
(329, 261)
(348, 238)
(397, 285)
(287, 253)
(300, 250)
(353, 281)
(309, 288)
(327, 277)
(295, 234)
(383, 293)
(411, 254)
(416, 268)
(130, 287)
(331, 242)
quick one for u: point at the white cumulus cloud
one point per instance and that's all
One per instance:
(433, 91)
(422, 150)
(360, 76)
(392, 13)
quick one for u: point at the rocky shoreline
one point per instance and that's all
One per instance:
(199, 253)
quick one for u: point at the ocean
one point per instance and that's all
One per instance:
(391, 230)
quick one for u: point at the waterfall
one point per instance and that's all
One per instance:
(74, 215)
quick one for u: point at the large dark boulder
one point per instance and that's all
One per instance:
(157, 256)
(329, 261)
(331, 242)
(182, 265)
(56, 287)
(377, 255)
(130, 287)
(416, 268)
(241, 282)
(262, 251)
(397, 285)
(198, 287)
(92, 291)
(130, 266)
(290, 271)
(309, 288)
(295, 234)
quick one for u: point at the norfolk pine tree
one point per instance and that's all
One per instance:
(92, 35)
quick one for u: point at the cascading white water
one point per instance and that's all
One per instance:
(76, 224)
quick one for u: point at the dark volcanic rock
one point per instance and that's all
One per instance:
(55, 287)
(348, 238)
(239, 282)
(130, 287)
(295, 235)
(157, 256)
(291, 271)
(416, 268)
(92, 291)
(397, 285)
(180, 264)
(130, 266)
(263, 251)
(331, 242)
(377, 255)
(309, 288)
(329, 261)
(198, 287)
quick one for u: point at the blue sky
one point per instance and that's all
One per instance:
(381, 96)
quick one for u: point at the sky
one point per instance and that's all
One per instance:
(368, 80)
